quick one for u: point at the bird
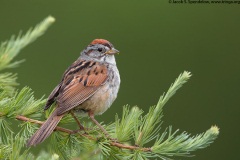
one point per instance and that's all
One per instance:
(88, 87)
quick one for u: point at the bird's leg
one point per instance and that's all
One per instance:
(78, 122)
(91, 115)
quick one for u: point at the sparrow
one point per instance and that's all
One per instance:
(88, 87)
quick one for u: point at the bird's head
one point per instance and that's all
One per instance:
(100, 50)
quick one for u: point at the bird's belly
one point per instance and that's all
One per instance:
(103, 98)
(99, 102)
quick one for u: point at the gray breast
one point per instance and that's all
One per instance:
(114, 81)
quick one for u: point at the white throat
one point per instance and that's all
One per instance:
(110, 59)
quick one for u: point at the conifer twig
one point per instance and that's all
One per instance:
(112, 143)
(10, 49)
(23, 118)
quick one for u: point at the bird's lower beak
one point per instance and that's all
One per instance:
(112, 51)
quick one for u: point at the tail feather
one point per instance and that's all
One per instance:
(45, 130)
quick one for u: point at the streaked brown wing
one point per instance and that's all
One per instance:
(52, 96)
(79, 84)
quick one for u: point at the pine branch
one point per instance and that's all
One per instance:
(23, 118)
(183, 144)
(23, 104)
(8, 82)
(147, 129)
(113, 143)
(124, 127)
(10, 49)
(151, 122)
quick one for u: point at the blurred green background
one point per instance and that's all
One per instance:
(158, 41)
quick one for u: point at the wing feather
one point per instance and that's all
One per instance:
(78, 86)
(51, 97)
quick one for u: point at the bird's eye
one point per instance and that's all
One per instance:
(100, 49)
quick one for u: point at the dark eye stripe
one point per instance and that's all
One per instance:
(108, 45)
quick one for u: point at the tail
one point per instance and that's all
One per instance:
(45, 130)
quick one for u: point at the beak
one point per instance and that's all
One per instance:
(112, 51)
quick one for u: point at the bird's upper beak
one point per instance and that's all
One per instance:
(112, 51)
